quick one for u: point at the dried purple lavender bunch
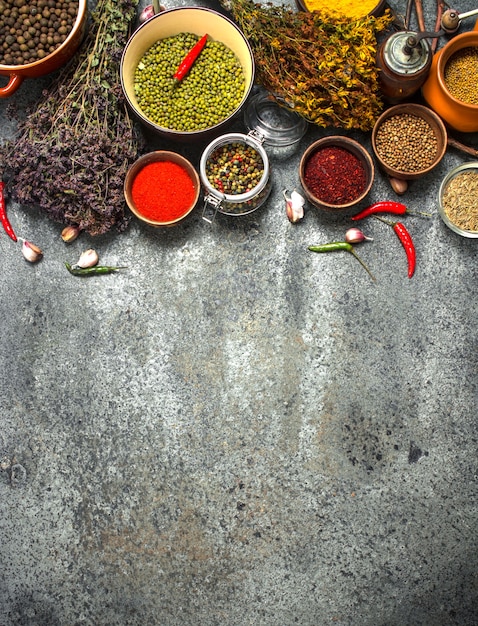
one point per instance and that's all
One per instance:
(72, 151)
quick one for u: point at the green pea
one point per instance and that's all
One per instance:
(211, 91)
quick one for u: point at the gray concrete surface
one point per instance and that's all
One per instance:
(236, 431)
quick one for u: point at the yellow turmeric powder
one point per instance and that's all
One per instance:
(347, 8)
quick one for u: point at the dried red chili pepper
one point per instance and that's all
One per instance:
(335, 175)
(3, 214)
(406, 241)
(189, 59)
(386, 206)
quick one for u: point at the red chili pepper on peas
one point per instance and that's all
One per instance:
(386, 206)
(406, 241)
(3, 214)
(189, 59)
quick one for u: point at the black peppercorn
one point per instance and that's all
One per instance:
(22, 25)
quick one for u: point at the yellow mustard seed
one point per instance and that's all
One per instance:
(461, 75)
(349, 8)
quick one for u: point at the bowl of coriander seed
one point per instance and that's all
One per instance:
(409, 141)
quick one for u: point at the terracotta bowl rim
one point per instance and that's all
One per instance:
(152, 157)
(424, 112)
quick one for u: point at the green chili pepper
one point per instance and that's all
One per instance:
(91, 271)
(334, 246)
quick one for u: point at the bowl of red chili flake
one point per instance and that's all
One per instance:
(162, 188)
(336, 173)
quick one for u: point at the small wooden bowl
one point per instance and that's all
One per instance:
(431, 118)
(152, 157)
(338, 141)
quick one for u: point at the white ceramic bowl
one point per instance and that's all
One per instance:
(196, 20)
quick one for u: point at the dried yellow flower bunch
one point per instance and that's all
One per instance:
(320, 66)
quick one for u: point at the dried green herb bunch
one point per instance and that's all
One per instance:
(321, 66)
(72, 151)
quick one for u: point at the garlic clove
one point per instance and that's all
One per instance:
(150, 11)
(70, 233)
(399, 186)
(31, 252)
(294, 206)
(355, 235)
(88, 258)
(146, 14)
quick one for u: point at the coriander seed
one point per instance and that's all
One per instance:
(406, 143)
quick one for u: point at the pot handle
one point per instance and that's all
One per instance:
(13, 84)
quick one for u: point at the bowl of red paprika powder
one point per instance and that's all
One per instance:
(336, 173)
(162, 188)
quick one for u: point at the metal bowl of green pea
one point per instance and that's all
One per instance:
(212, 91)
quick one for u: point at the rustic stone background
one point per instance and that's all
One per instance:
(235, 431)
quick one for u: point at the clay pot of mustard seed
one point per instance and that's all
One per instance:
(459, 115)
(54, 61)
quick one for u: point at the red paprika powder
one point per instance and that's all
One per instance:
(163, 191)
(335, 175)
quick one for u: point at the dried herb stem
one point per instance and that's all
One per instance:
(321, 66)
(72, 151)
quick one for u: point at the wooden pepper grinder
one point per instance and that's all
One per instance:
(404, 60)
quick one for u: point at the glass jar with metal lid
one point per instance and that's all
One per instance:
(235, 168)
(234, 171)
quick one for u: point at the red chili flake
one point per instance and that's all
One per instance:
(335, 175)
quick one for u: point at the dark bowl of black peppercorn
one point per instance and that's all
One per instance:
(336, 173)
(41, 38)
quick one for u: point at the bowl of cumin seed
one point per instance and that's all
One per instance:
(458, 200)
